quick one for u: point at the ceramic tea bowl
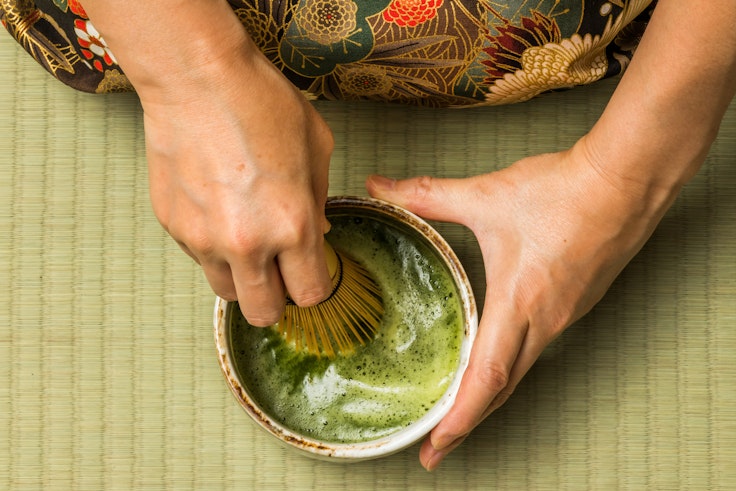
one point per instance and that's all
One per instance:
(389, 393)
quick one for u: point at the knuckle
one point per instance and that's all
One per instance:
(239, 245)
(200, 244)
(558, 323)
(288, 219)
(420, 192)
(239, 242)
(296, 231)
(193, 237)
(423, 187)
(493, 378)
(293, 232)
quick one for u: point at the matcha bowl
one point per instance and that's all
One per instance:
(389, 393)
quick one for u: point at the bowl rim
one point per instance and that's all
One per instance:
(403, 438)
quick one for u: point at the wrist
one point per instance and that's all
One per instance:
(201, 66)
(661, 121)
(636, 182)
(199, 44)
(642, 155)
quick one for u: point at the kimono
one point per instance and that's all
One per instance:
(421, 52)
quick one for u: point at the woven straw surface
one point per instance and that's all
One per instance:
(109, 378)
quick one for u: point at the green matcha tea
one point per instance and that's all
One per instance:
(383, 386)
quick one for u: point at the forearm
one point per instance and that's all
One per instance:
(170, 43)
(665, 113)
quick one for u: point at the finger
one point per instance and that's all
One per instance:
(431, 458)
(494, 353)
(430, 197)
(305, 274)
(260, 290)
(220, 279)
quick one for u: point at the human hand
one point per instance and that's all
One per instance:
(238, 163)
(554, 231)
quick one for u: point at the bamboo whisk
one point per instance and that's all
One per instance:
(350, 315)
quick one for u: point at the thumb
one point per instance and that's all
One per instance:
(430, 197)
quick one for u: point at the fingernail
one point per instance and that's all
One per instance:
(382, 182)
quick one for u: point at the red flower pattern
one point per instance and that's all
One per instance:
(76, 7)
(411, 13)
(92, 44)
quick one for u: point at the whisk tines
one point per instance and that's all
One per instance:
(349, 316)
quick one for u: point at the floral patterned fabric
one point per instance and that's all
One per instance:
(427, 52)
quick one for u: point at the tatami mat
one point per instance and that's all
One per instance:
(108, 373)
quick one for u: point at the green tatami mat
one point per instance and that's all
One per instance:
(108, 372)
